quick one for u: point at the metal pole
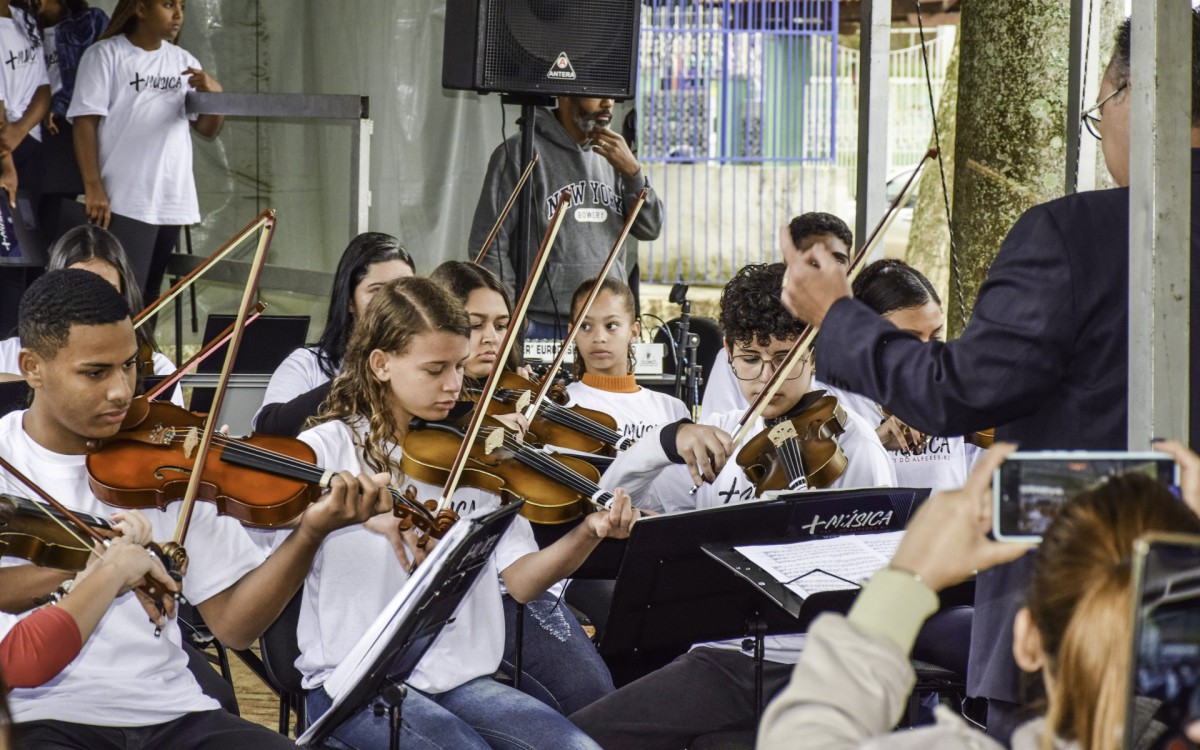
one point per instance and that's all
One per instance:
(873, 115)
(1159, 220)
(360, 176)
(1075, 63)
(524, 241)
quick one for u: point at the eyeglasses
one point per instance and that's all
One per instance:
(751, 366)
(1091, 115)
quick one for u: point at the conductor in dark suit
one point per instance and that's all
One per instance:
(1043, 359)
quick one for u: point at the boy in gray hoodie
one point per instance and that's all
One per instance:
(578, 155)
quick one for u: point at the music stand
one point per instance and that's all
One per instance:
(670, 594)
(395, 643)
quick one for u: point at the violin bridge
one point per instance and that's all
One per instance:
(782, 432)
(191, 442)
(494, 442)
(524, 400)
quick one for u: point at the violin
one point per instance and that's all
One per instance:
(981, 438)
(42, 532)
(801, 451)
(571, 427)
(148, 463)
(36, 532)
(500, 465)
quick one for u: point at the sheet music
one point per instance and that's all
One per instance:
(824, 564)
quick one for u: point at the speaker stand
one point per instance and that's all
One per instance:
(522, 251)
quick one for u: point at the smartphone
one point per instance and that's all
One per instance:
(1029, 488)
(1164, 676)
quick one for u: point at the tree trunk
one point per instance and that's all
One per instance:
(1010, 152)
(929, 238)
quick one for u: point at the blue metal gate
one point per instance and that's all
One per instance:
(736, 104)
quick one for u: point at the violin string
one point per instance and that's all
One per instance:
(590, 427)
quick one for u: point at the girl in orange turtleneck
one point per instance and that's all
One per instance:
(604, 363)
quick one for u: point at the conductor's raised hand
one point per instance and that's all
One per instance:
(615, 522)
(351, 499)
(813, 281)
(946, 541)
(704, 449)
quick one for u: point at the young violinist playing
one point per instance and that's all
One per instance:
(129, 686)
(301, 382)
(904, 297)
(711, 688)
(604, 362)
(560, 665)
(405, 360)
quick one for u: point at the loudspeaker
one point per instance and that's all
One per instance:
(542, 47)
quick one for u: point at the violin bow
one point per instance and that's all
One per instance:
(805, 340)
(512, 199)
(264, 226)
(506, 346)
(548, 381)
(202, 355)
(221, 253)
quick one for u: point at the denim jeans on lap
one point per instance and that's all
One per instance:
(560, 665)
(477, 715)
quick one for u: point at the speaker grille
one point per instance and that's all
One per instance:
(523, 40)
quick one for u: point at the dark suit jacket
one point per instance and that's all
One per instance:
(1043, 359)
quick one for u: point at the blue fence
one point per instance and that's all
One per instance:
(736, 114)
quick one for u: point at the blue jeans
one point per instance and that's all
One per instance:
(478, 715)
(559, 664)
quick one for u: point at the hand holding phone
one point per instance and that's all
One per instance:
(1029, 488)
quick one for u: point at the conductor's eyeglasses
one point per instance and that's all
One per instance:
(1091, 115)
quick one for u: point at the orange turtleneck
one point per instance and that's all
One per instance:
(612, 383)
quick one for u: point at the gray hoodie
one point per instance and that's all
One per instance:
(599, 197)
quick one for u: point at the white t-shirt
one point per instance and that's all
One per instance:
(356, 573)
(23, 67)
(125, 676)
(646, 464)
(636, 413)
(145, 143)
(295, 376)
(721, 392)
(11, 347)
(944, 465)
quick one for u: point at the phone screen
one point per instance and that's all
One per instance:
(1029, 488)
(1166, 642)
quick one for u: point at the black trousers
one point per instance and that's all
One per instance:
(205, 730)
(704, 691)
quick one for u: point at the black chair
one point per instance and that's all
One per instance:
(940, 659)
(279, 653)
(197, 642)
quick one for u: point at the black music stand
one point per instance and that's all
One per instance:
(670, 594)
(447, 574)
